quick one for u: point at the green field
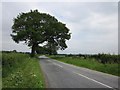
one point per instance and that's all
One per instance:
(21, 71)
(91, 63)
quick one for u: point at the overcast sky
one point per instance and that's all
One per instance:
(94, 25)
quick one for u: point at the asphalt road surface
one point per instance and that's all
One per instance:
(61, 75)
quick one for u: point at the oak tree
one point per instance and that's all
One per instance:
(35, 28)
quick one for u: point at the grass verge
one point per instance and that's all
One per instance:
(0, 70)
(21, 71)
(89, 63)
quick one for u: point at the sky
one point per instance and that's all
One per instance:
(94, 25)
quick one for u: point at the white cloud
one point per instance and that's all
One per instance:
(103, 21)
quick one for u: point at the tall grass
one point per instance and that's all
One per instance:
(21, 71)
(0, 70)
(91, 63)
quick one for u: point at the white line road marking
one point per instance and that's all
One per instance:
(49, 60)
(55, 63)
(66, 64)
(93, 80)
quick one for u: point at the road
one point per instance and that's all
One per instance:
(62, 75)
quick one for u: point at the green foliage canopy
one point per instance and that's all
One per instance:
(35, 28)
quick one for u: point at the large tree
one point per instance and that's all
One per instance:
(49, 48)
(35, 28)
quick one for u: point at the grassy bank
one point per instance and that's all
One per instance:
(0, 70)
(90, 63)
(21, 71)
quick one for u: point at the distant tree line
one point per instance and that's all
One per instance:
(15, 51)
(102, 58)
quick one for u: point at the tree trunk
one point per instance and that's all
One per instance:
(33, 50)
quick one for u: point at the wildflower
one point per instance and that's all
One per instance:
(34, 75)
(16, 84)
